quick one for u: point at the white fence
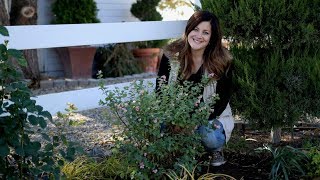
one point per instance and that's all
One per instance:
(50, 36)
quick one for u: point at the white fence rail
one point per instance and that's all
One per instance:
(51, 36)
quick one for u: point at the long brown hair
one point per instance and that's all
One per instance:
(217, 59)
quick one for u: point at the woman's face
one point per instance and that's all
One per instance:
(200, 36)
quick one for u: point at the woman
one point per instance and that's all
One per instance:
(201, 53)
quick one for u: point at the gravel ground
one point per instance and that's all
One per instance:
(93, 131)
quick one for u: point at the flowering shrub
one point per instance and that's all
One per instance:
(157, 128)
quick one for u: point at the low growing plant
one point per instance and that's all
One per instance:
(314, 166)
(115, 166)
(287, 162)
(157, 129)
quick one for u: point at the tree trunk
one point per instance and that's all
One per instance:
(24, 12)
(4, 16)
(275, 135)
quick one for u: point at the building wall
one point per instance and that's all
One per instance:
(115, 10)
(108, 11)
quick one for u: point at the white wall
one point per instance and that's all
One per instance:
(115, 10)
(49, 64)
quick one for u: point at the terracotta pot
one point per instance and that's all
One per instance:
(149, 58)
(77, 61)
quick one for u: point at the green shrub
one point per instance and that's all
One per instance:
(21, 156)
(146, 10)
(273, 92)
(116, 61)
(20, 116)
(314, 166)
(142, 113)
(74, 11)
(273, 24)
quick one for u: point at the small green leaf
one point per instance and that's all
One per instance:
(19, 56)
(33, 120)
(64, 139)
(46, 168)
(42, 122)
(55, 138)
(20, 151)
(4, 150)
(48, 147)
(62, 153)
(71, 151)
(39, 108)
(60, 162)
(32, 148)
(45, 136)
(4, 31)
(46, 114)
(3, 48)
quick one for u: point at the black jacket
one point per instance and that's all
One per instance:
(223, 89)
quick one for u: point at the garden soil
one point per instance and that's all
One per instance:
(245, 161)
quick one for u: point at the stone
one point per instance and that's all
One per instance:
(59, 83)
(45, 84)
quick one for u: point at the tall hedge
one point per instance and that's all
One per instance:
(275, 45)
(283, 24)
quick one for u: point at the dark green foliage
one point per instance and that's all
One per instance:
(287, 162)
(272, 24)
(314, 166)
(74, 11)
(116, 61)
(272, 92)
(275, 46)
(20, 116)
(21, 156)
(145, 10)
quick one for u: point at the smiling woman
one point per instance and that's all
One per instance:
(201, 54)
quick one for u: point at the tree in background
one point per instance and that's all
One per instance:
(174, 4)
(276, 50)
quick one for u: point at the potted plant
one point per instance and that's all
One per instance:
(115, 60)
(77, 61)
(147, 51)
